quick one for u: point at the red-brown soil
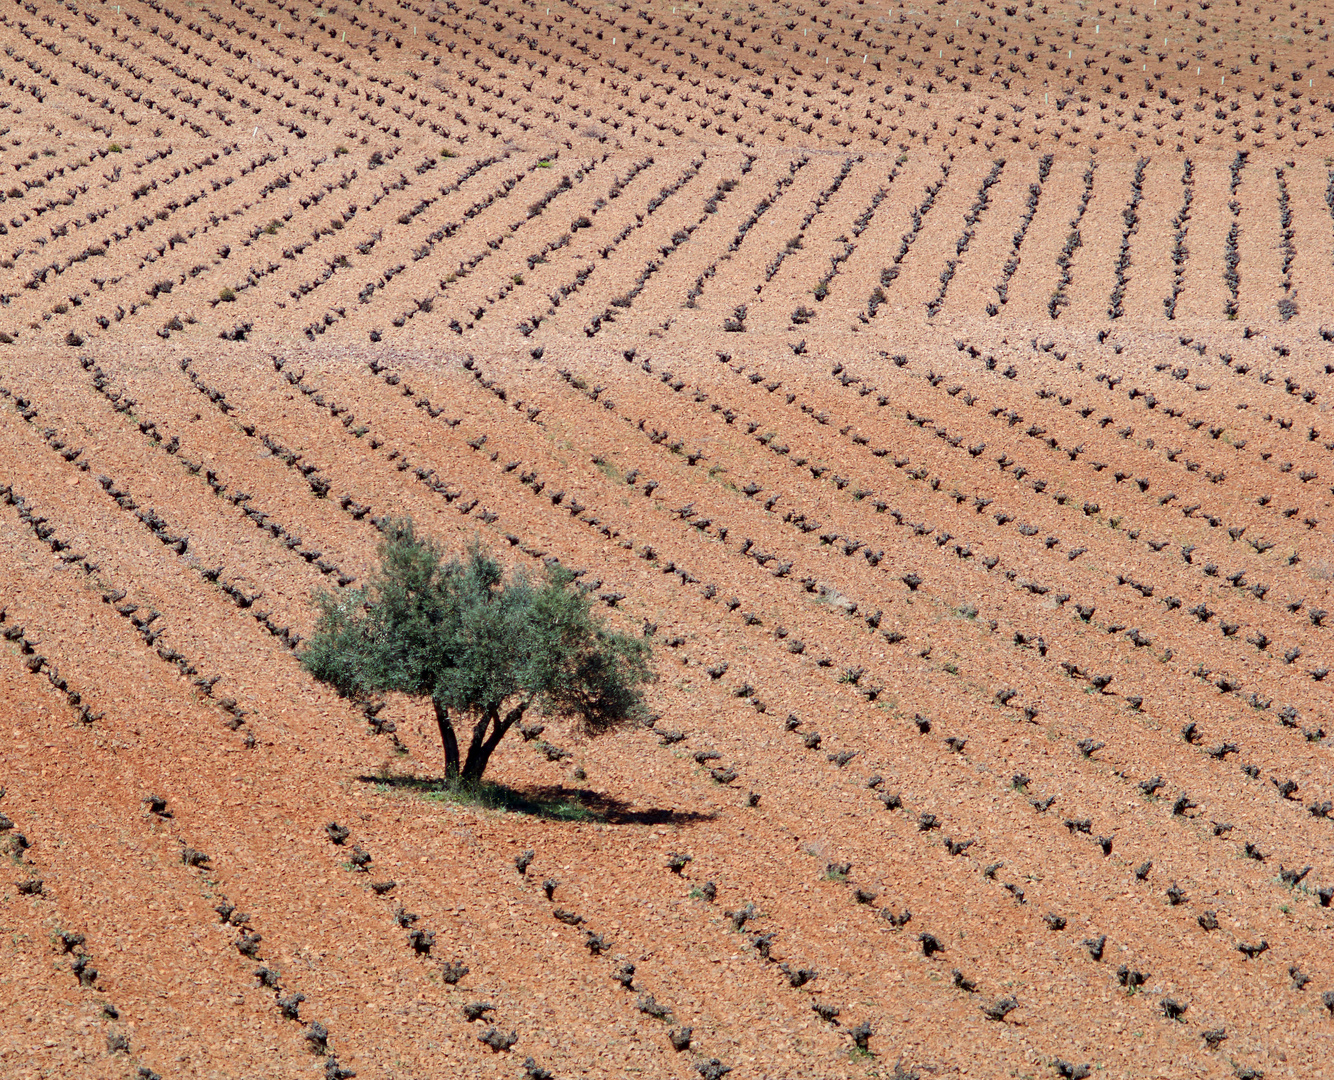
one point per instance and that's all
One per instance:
(944, 389)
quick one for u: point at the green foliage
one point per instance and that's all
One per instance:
(477, 645)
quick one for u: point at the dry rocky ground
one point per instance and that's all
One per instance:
(943, 387)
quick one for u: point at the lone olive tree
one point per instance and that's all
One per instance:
(484, 649)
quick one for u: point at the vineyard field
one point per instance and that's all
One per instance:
(941, 395)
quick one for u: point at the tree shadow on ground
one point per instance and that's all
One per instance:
(552, 802)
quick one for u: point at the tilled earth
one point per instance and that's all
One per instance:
(944, 397)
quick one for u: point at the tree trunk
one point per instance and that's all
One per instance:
(475, 762)
(449, 739)
(484, 744)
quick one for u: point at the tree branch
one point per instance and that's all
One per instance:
(479, 753)
(475, 762)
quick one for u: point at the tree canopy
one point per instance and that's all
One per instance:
(484, 647)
